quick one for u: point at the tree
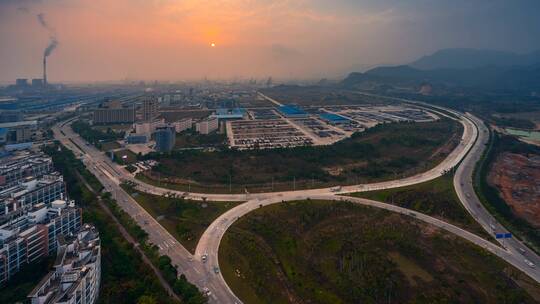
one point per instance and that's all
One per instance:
(147, 300)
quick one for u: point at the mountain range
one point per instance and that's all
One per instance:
(459, 67)
(474, 58)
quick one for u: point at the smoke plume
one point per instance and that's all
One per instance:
(53, 41)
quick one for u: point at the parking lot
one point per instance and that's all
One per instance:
(265, 133)
(292, 126)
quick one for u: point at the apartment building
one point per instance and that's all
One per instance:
(19, 165)
(76, 273)
(35, 234)
(15, 200)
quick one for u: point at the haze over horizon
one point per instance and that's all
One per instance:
(172, 40)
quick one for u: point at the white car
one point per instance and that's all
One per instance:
(531, 264)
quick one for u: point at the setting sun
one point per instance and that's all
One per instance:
(213, 44)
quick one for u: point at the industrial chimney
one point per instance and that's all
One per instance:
(45, 70)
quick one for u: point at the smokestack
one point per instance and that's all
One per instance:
(45, 70)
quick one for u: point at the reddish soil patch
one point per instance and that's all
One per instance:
(516, 176)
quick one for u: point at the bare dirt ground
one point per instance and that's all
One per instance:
(516, 176)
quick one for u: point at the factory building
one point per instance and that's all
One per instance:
(10, 116)
(207, 125)
(76, 273)
(21, 82)
(230, 114)
(19, 132)
(37, 82)
(112, 112)
(165, 137)
(291, 111)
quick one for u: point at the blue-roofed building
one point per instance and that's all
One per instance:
(235, 113)
(292, 111)
(334, 118)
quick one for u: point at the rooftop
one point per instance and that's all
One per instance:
(290, 110)
(75, 258)
(333, 117)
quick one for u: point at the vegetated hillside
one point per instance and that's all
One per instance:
(460, 58)
(338, 252)
(489, 77)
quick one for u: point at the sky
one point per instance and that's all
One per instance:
(102, 40)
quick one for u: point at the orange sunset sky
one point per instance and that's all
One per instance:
(172, 39)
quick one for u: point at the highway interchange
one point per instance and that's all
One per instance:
(201, 268)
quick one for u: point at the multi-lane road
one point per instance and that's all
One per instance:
(202, 267)
(463, 183)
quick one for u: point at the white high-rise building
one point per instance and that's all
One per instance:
(77, 271)
(207, 125)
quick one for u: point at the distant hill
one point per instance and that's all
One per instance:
(474, 58)
(490, 77)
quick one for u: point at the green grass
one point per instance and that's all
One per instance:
(117, 128)
(107, 146)
(192, 139)
(436, 198)
(381, 153)
(339, 252)
(186, 220)
(131, 157)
